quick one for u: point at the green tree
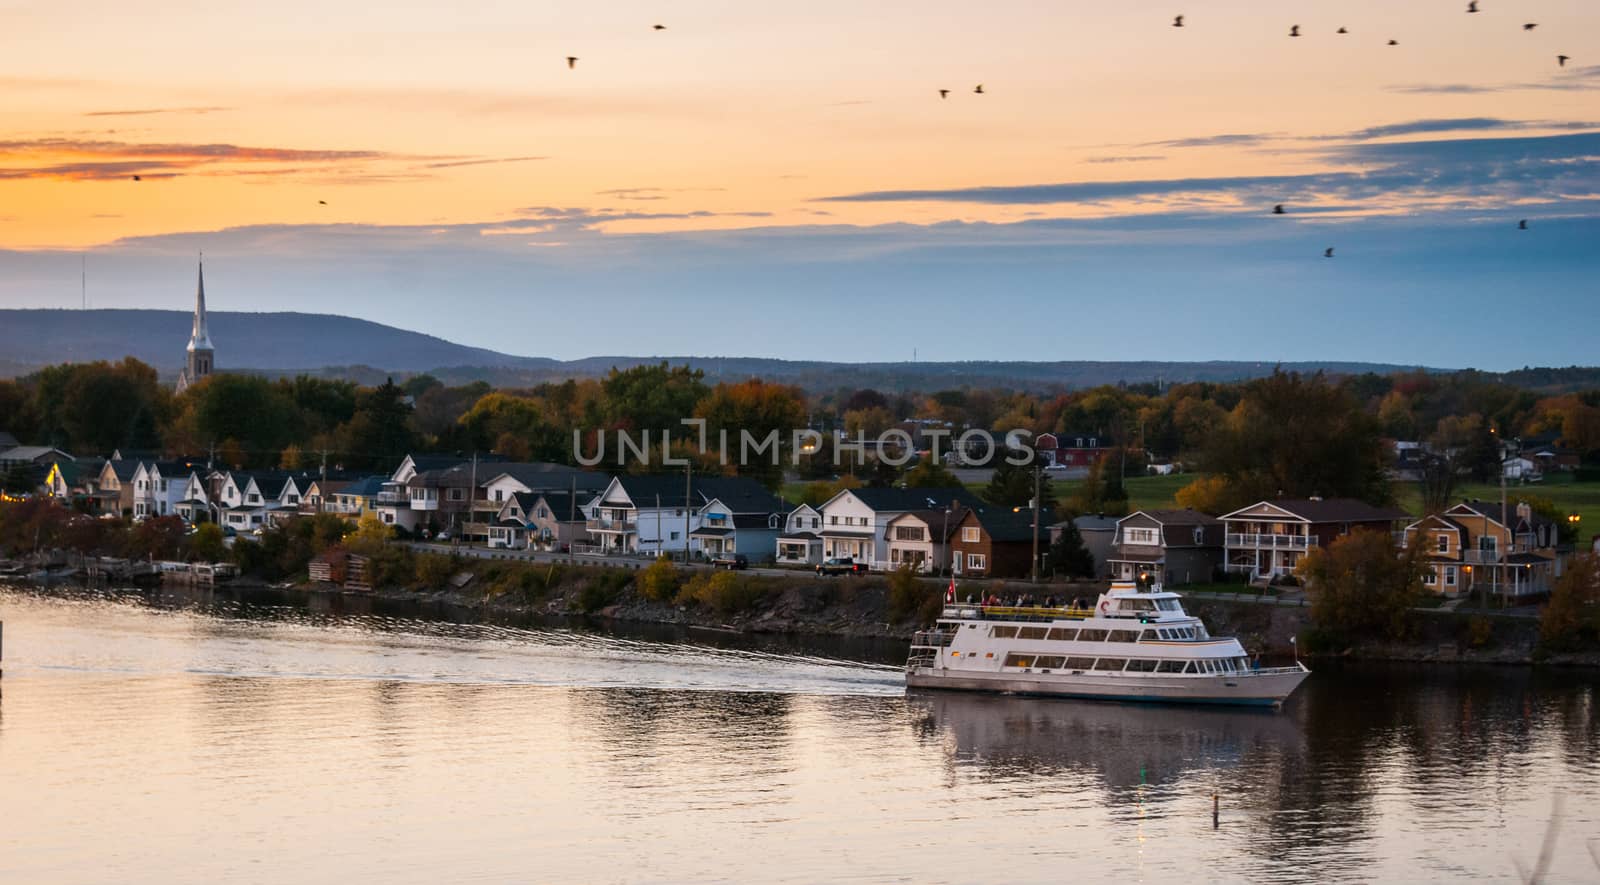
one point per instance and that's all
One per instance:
(380, 433)
(1068, 556)
(1361, 587)
(655, 397)
(207, 543)
(1012, 485)
(1298, 436)
(252, 412)
(759, 409)
(1101, 491)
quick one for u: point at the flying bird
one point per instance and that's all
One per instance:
(944, 93)
(137, 178)
(1530, 26)
(1177, 21)
(979, 89)
(1394, 42)
(572, 62)
(1328, 252)
(1342, 31)
(1472, 5)
(1561, 60)
(1294, 30)
(658, 27)
(1278, 209)
(1523, 224)
(322, 202)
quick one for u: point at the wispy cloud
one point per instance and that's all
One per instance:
(1582, 79)
(143, 112)
(106, 171)
(1132, 158)
(484, 161)
(1236, 139)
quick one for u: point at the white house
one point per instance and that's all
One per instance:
(855, 522)
(652, 514)
(158, 488)
(801, 541)
(918, 538)
(723, 532)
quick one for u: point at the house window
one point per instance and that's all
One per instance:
(1430, 578)
(255, 499)
(1449, 576)
(976, 561)
(458, 494)
(1132, 535)
(674, 536)
(1444, 543)
(544, 512)
(969, 534)
(1488, 544)
(814, 521)
(834, 520)
(499, 495)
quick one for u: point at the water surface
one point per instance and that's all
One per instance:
(271, 739)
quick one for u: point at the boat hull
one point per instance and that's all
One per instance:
(1260, 690)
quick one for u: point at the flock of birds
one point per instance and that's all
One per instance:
(1177, 22)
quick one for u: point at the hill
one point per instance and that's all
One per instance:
(330, 345)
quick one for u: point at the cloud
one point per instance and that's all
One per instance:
(1233, 140)
(449, 164)
(1526, 167)
(1582, 79)
(1442, 89)
(147, 111)
(1132, 158)
(193, 152)
(653, 193)
(109, 171)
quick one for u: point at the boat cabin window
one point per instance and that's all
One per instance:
(1138, 666)
(1004, 632)
(1170, 667)
(1091, 635)
(1047, 662)
(1139, 605)
(1031, 633)
(1063, 633)
(1168, 605)
(1080, 663)
(1019, 660)
(1111, 664)
(1124, 636)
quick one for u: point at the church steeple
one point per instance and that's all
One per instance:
(201, 339)
(201, 357)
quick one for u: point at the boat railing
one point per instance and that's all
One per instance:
(1016, 613)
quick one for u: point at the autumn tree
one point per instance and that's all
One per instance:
(655, 397)
(1573, 615)
(1068, 555)
(1361, 586)
(760, 410)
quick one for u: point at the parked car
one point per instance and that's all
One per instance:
(731, 561)
(841, 565)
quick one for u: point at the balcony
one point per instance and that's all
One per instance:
(622, 526)
(1271, 542)
(393, 499)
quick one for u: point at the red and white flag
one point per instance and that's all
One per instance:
(950, 594)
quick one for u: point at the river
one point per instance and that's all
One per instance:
(213, 738)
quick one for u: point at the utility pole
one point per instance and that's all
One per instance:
(688, 492)
(472, 496)
(1036, 474)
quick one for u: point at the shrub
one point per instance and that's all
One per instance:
(1479, 631)
(910, 597)
(723, 592)
(659, 581)
(1362, 587)
(434, 570)
(601, 590)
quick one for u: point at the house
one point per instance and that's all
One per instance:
(657, 513)
(281, 492)
(1476, 546)
(855, 522)
(540, 520)
(32, 456)
(253, 500)
(1168, 547)
(1071, 449)
(115, 486)
(997, 542)
(1521, 469)
(358, 498)
(322, 494)
(1267, 539)
(498, 482)
(1098, 532)
(158, 488)
(74, 482)
(724, 531)
(919, 538)
(1554, 458)
(801, 540)
(194, 501)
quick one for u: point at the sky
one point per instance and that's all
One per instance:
(786, 181)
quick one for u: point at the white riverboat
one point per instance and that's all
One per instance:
(1134, 645)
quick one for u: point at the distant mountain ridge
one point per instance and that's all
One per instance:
(330, 345)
